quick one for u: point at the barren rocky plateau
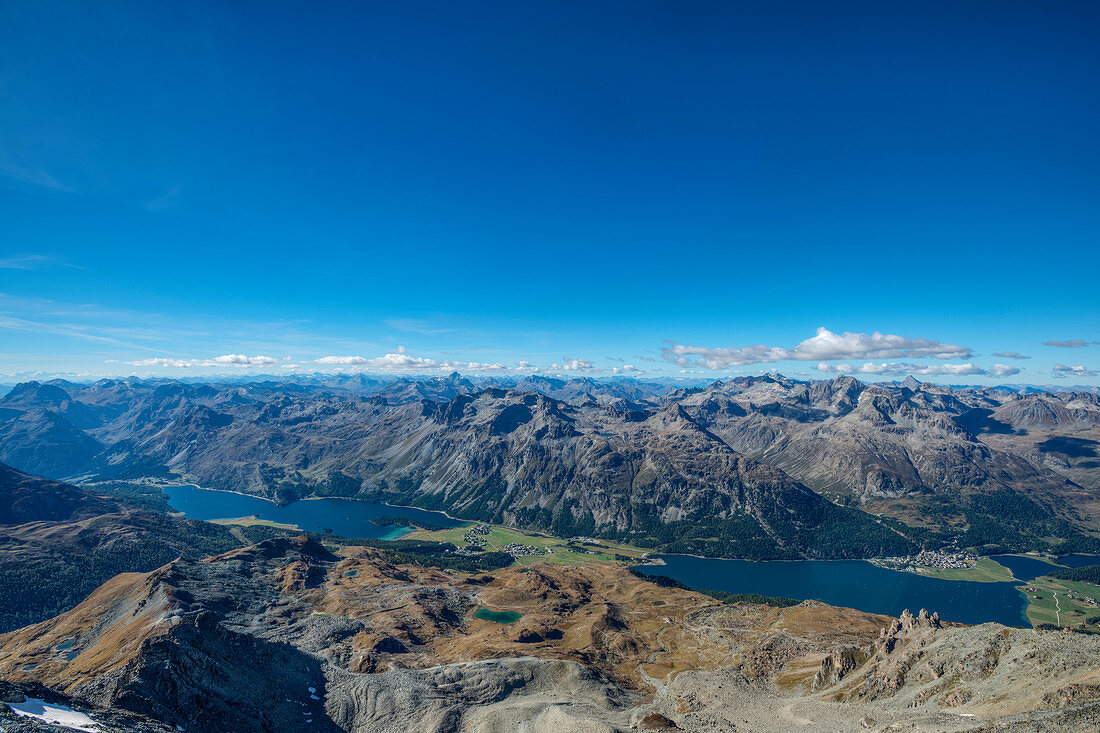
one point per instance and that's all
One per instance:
(286, 635)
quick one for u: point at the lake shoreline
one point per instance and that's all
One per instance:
(654, 561)
(342, 516)
(860, 585)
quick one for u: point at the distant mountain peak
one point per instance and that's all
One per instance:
(36, 394)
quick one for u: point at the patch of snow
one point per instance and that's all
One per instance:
(54, 714)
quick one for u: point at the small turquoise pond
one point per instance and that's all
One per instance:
(500, 617)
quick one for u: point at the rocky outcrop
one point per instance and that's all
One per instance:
(281, 636)
(916, 661)
(37, 699)
(552, 695)
(837, 665)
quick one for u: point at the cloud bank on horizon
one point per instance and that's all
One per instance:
(835, 353)
(901, 369)
(159, 346)
(824, 346)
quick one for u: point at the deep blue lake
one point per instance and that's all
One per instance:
(346, 517)
(859, 584)
(1079, 561)
(850, 583)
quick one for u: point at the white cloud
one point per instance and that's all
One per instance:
(1003, 370)
(1010, 355)
(1061, 371)
(401, 361)
(161, 362)
(242, 360)
(239, 360)
(825, 345)
(526, 366)
(575, 365)
(342, 360)
(1071, 344)
(898, 369)
(627, 369)
(476, 366)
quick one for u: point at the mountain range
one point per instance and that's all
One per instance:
(762, 467)
(120, 615)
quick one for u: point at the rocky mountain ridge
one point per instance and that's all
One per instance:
(58, 542)
(746, 467)
(286, 634)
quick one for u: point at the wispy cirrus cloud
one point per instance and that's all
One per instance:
(898, 369)
(1061, 371)
(825, 345)
(170, 336)
(32, 262)
(79, 331)
(28, 174)
(1070, 344)
(417, 325)
(165, 201)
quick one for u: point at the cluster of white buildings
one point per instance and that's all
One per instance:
(943, 560)
(476, 535)
(936, 559)
(517, 550)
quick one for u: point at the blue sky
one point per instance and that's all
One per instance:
(416, 187)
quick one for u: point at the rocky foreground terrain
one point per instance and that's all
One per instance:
(761, 467)
(287, 635)
(59, 542)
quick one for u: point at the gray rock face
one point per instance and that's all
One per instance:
(546, 695)
(256, 640)
(623, 458)
(513, 457)
(108, 721)
(870, 442)
(194, 677)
